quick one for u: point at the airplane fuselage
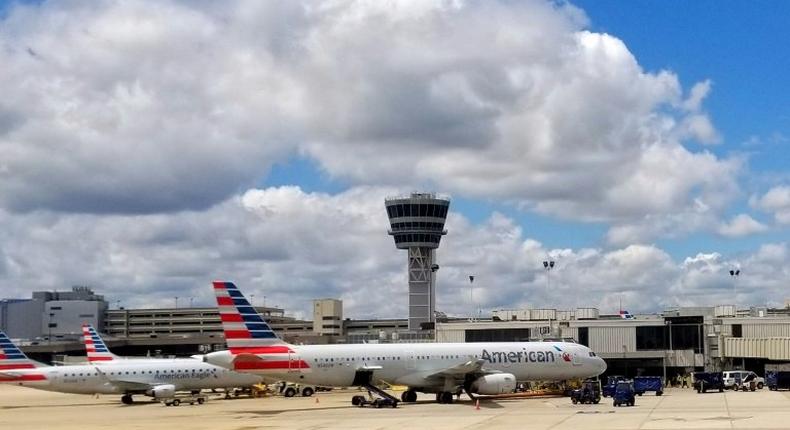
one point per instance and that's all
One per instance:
(183, 374)
(411, 364)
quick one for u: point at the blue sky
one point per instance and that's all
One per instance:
(148, 147)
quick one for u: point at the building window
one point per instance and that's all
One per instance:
(737, 330)
(651, 338)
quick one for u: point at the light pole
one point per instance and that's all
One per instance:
(176, 302)
(471, 296)
(548, 265)
(735, 274)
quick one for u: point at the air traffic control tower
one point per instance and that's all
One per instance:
(417, 224)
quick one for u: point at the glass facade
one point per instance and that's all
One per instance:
(417, 210)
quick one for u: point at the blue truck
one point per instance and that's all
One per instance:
(642, 384)
(777, 379)
(611, 384)
(704, 381)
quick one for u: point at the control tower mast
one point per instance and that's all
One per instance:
(417, 225)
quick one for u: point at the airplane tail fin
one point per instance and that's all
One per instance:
(246, 332)
(11, 357)
(95, 346)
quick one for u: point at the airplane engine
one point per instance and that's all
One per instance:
(162, 391)
(498, 383)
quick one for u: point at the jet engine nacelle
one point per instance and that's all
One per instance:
(498, 383)
(162, 391)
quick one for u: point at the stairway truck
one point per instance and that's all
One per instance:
(777, 379)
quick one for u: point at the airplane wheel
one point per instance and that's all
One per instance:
(126, 399)
(438, 397)
(409, 396)
(446, 397)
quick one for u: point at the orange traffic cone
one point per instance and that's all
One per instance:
(477, 404)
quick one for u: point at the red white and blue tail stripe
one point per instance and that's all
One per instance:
(12, 357)
(15, 367)
(249, 336)
(95, 346)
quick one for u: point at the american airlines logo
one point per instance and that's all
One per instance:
(192, 375)
(523, 356)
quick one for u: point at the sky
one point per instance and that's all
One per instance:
(150, 147)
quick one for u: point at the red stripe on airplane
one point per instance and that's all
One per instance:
(95, 358)
(270, 365)
(22, 378)
(225, 301)
(237, 334)
(260, 350)
(17, 366)
(219, 285)
(231, 318)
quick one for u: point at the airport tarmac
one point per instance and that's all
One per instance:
(23, 408)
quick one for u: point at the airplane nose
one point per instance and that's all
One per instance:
(601, 365)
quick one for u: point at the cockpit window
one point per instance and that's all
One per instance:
(592, 354)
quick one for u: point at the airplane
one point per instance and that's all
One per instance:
(157, 378)
(441, 368)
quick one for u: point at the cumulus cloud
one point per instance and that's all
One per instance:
(741, 225)
(291, 246)
(149, 107)
(775, 201)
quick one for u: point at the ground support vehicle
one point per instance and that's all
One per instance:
(742, 380)
(777, 379)
(611, 384)
(643, 384)
(624, 394)
(590, 392)
(704, 381)
(178, 399)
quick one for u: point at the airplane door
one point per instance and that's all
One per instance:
(294, 363)
(411, 360)
(577, 359)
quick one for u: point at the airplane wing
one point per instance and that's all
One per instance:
(123, 384)
(459, 371)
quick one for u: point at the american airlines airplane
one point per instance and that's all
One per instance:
(441, 368)
(158, 378)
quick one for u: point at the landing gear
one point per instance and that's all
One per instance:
(445, 397)
(126, 399)
(409, 396)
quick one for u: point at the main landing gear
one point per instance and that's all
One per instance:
(445, 397)
(126, 399)
(408, 396)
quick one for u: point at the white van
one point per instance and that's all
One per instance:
(736, 378)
